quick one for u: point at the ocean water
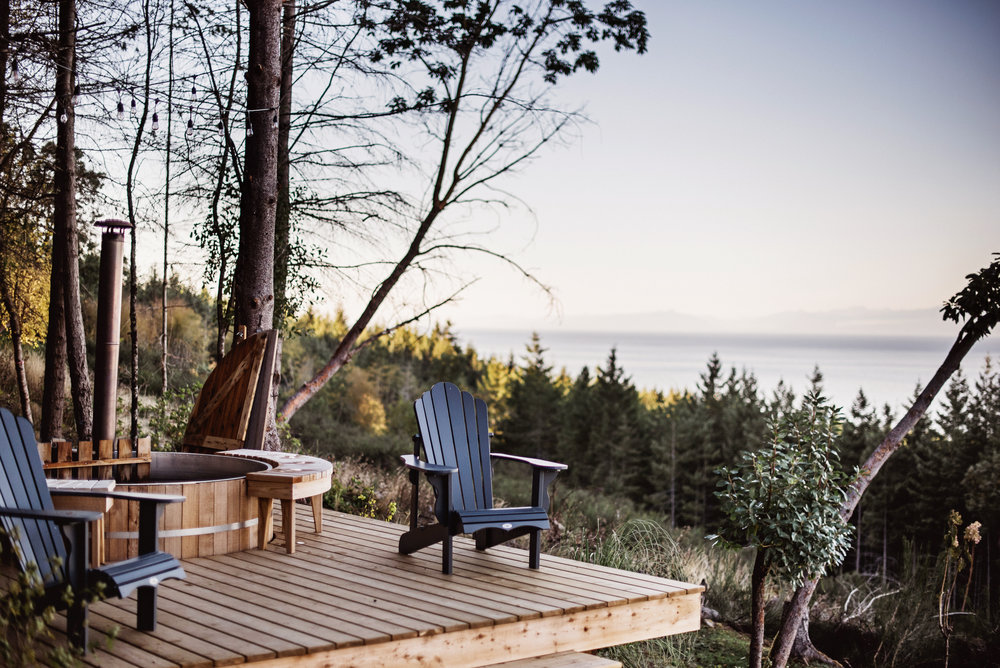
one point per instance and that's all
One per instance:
(887, 368)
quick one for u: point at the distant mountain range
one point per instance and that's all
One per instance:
(848, 322)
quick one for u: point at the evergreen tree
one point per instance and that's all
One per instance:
(861, 433)
(531, 426)
(618, 430)
(577, 420)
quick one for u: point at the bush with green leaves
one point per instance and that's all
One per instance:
(168, 415)
(784, 500)
(358, 497)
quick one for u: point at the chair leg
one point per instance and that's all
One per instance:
(535, 549)
(76, 624)
(446, 556)
(146, 614)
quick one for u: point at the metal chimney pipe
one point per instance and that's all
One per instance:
(109, 316)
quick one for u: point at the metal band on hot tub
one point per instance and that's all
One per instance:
(180, 533)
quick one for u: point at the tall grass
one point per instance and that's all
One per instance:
(34, 367)
(644, 546)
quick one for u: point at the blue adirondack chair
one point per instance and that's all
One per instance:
(57, 541)
(455, 437)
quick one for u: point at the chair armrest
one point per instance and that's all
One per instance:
(415, 464)
(150, 509)
(127, 496)
(535, 463)
(440, 480)
(57, 516)
(542, 474)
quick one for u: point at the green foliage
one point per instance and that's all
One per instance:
(531, 424)
(167, 416)
(978, 303)
(786, 497)
(462, 27)
(358, 497)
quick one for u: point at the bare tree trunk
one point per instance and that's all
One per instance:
(346, 347)
(166, 202)
(254, 282)
(129, 191)
(254, 285)
(857, 542)
(5, 289)
(757, 584)
(54, 392)
(282, 225)
(4, 56)
(804, 649)
(64, 224)
(799, 604)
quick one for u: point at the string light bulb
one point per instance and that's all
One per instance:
(221, 128)
(156, 122)
(76, 94)
(190, 130)
(133, 106)
(15, 74)
(274, 122)
(63, 117)
(249, 128)
(121, 111)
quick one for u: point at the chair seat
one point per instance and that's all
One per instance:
(507, 519)
(146, 569)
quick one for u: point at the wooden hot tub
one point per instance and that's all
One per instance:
(216, 518)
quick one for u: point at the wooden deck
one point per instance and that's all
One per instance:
(346, 598)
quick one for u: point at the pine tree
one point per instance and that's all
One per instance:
(577, 421)
(532, 424)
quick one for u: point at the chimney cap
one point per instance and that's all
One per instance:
(113, 224)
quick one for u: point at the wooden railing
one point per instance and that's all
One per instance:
(104, 460)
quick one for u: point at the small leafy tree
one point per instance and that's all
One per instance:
(978, 305)
(784, 501)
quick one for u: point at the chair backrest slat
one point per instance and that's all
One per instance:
(454, 429)
(23, 486)
(465, 480)
(485, 463)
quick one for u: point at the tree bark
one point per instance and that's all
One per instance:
(164, 349)
(757, 583)
(64, 223)
(805, 650)
(4, 57)
(254, 280)
(54, 391)
(799, 604)
(282, 225)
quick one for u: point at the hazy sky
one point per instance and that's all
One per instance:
(766, 157)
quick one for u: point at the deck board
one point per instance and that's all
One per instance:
(347, 598)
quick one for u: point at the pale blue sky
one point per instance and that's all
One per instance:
(766, 157)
